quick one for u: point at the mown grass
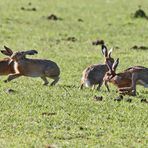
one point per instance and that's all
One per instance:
(64, 116)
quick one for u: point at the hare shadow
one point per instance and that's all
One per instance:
(68, 86)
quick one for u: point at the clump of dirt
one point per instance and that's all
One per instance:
(28, 9)
(140, 13)
(98, 42)
(117, 47)
(33, 9)
(48, 114)
(50, 146)
(136, 47)
(98, 98)
(29, 3)
(22, 8)
(80, 20)
(53, 17)
(72, 39)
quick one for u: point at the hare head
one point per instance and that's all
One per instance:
(21, 55)
(112, 70)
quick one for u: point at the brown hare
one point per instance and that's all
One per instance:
(33, 67)
(5, 67)
(93, 75)
(127, 80)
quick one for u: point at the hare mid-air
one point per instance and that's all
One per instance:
(94, 74)
(33, 67)
(127, 80)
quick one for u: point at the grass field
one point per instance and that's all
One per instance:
(64, 116)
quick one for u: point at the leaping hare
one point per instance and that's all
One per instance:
(127, 80)
(5, 67)
(93, 75)
(33, 67)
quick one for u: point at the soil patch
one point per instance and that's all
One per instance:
(53, 17)
(140, 13)
(98, 42)
(136, 47)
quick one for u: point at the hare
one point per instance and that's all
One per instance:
(93, 75)
(33, 67)
(5, 67)
(127, 80)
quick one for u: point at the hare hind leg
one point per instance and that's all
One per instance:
(56, 79)
(12, 76)
(53, 74)
(81, 86)
(99, 85)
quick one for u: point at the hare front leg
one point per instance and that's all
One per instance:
(12, 76)
(45, 80)
(56, 79)
(82, 84)
(99, 85)
(106, 84)
(134, 80)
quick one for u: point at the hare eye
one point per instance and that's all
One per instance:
(108, 74)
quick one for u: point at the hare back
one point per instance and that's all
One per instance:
(95, 73)
(36, 67)
(135, 69)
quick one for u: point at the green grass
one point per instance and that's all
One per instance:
(26, 118)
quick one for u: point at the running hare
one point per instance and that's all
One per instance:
(93, 75)
(127, 80)
(33, 67)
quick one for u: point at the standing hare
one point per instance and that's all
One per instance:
(127, 80)
(33, 67)
(93, 75)
(5, 67)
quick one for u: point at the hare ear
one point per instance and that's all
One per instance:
(104, 50)
(9, 51)
(110, 52)
(115, 64)
(108, 65)
(5, 52)
(30, 52)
